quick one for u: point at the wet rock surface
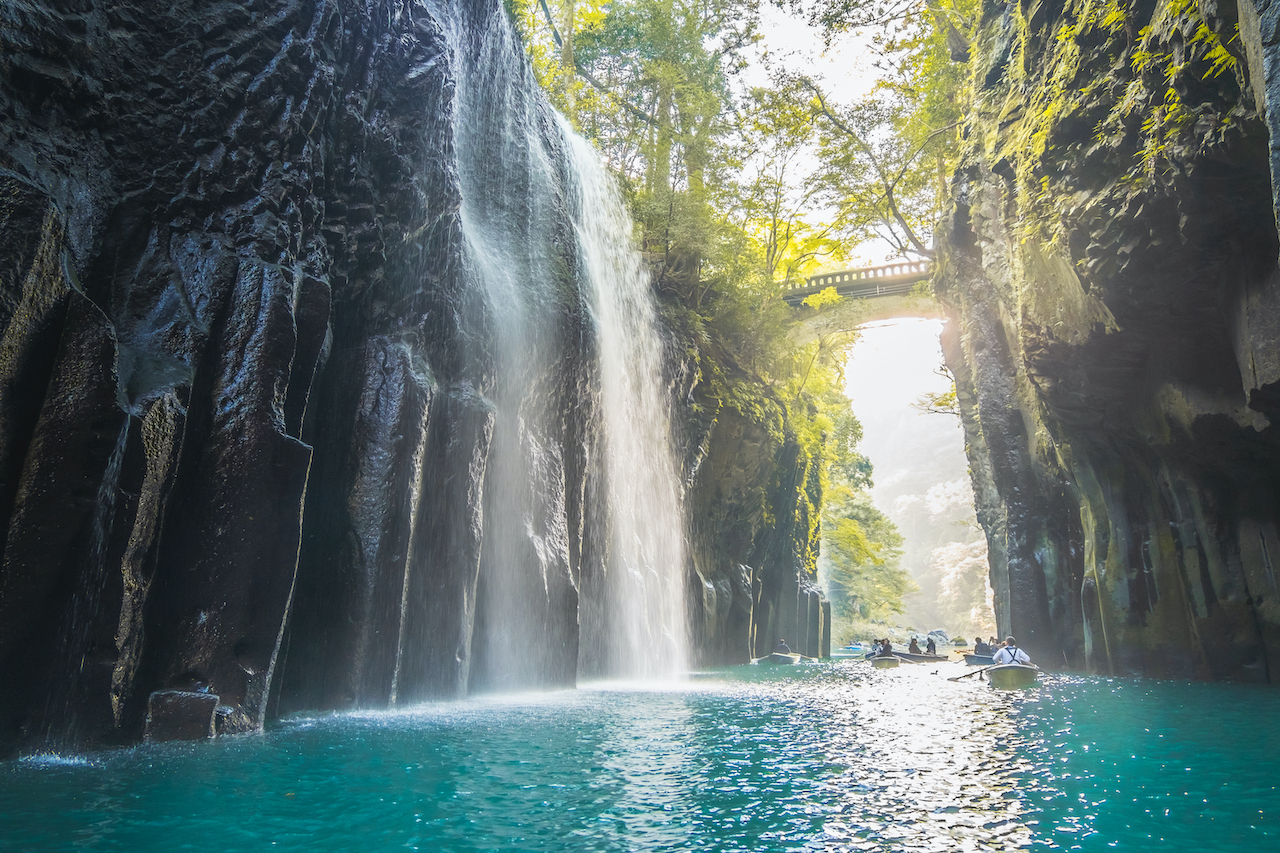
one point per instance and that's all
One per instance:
(203, 224)
(752, 537)
(179, 715)
(1110, 266)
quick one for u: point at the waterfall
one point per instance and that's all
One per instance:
(548, 246)
(637, 625)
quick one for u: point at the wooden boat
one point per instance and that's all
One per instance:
(978, 660)
(922, 657)
(1013, 676)
(780, 658)
(885, 661)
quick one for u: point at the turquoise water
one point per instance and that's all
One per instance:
(819, 757)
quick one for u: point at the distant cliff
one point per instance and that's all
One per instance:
(1110, 259)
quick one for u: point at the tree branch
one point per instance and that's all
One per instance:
(888, 186)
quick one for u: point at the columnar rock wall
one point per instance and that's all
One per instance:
(215, 358)
(1110, 263)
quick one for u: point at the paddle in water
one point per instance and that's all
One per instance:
(975, 672)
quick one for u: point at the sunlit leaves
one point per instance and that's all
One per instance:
(823, 298)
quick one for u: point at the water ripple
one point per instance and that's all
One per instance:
(827, 757)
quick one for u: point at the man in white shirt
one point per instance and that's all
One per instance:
(1010, 653)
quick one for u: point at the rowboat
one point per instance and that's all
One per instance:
(922, 657)
(1013, 676)
(885, 661)
(780, 658)
(979, 660)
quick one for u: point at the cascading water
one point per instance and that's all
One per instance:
(547, 240)
(636, 627)
(510, 212)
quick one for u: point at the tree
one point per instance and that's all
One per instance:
(861, 550)
(775, 197)
(943, 403)
(886, 158)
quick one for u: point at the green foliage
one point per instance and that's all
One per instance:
(1152, 97)
(861, 550)
(823, 298)
(722, 183)
(887, 158)
(944, 403)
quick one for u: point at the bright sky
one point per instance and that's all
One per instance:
(891, 366)
(893, 363)
(793, 43)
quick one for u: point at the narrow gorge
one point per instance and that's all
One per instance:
(328, 380)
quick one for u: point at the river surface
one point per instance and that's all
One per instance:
(813, 757)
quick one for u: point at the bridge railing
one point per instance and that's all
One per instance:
(843, 278)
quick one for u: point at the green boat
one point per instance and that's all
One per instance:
(885, 661)
(1013, 676)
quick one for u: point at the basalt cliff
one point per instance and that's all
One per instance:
(305, 359)
(1110, 262)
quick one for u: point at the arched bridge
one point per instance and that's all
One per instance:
(864, 282)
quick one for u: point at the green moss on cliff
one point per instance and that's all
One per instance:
(1089, 109)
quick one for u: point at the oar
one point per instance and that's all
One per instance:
(975, 672)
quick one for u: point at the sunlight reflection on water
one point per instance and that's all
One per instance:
(815, 757)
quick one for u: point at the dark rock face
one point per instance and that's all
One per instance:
(752, 540)
(248, 393)
(204, 217)
(1115, 344)
(178, 715)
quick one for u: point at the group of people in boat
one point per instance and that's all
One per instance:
(930, 647)
(1008, 652)
(885, 647)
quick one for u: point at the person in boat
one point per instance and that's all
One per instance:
(980, 647)
(930, 646)
(914, 648)
(782, 648)
(886, 647)
(1010, 653)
